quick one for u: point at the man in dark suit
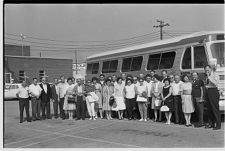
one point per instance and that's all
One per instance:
(45, 98)
(55, 98)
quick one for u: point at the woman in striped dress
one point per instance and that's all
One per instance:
(107, 92)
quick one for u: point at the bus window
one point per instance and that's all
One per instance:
(167, 60)
(113, 66)
(105, 67)
(89, 68)
(126, 64)
(186, 63)
(95, 68)
(136, 63)
(200, 59)
(153, 61)
(217, 50)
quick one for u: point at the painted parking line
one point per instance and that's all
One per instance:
(49, 133)
(63, 135)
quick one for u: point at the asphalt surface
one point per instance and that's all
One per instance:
(57, 133)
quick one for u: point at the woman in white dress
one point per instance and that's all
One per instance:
(69, 101)
(187, 103)
(119, 98)
(142, 99)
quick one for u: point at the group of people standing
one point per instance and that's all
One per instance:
(143, 98)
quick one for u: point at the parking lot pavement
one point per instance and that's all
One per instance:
(57, 133)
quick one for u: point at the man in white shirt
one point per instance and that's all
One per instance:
(23, 96)
(124, 77)
(62, 87)
(35, 92)
(179, 118)
(149, 86)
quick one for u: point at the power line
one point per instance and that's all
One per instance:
(37, 38)
(69, 45)
(110, 47)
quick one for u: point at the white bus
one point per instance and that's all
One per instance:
(179, 55)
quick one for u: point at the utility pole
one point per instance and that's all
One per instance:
(76, 60)
(22, 37)
(161, 25)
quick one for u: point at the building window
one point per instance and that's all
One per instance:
(109, 66)
(186, 63)
(200, 59)
(153, 61)
(7, 77)
(21, 76)
(92, 68)
(136, 63)
(41, 74)
(167, 60)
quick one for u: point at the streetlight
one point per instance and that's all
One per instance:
(22, 37)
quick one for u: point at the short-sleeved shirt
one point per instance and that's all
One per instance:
(23, 92)
(196, 85)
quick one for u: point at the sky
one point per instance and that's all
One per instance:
(84, 24)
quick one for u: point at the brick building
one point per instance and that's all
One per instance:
(21, 67)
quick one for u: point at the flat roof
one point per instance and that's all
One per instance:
(32, 57)
(154, 43)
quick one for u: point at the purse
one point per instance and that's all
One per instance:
(158, 102)
(111, 101)
(164, 108)
(71, 100)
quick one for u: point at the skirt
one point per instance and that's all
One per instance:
(120, 104)
(170, 103)
(187, 104)
(68, 106)
(153, 104)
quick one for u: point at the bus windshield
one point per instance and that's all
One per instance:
(217, 50)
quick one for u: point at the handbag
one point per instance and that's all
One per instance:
(111, 101)
(71, 100)
(114, 104)
(164, 108)
(158, 102)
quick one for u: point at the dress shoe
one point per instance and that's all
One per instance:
(21, 121)
(208, 126)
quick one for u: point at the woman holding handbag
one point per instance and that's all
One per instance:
(156, 90)
(167, 99)
(107, 92)
(142, 99)
(69, 101)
